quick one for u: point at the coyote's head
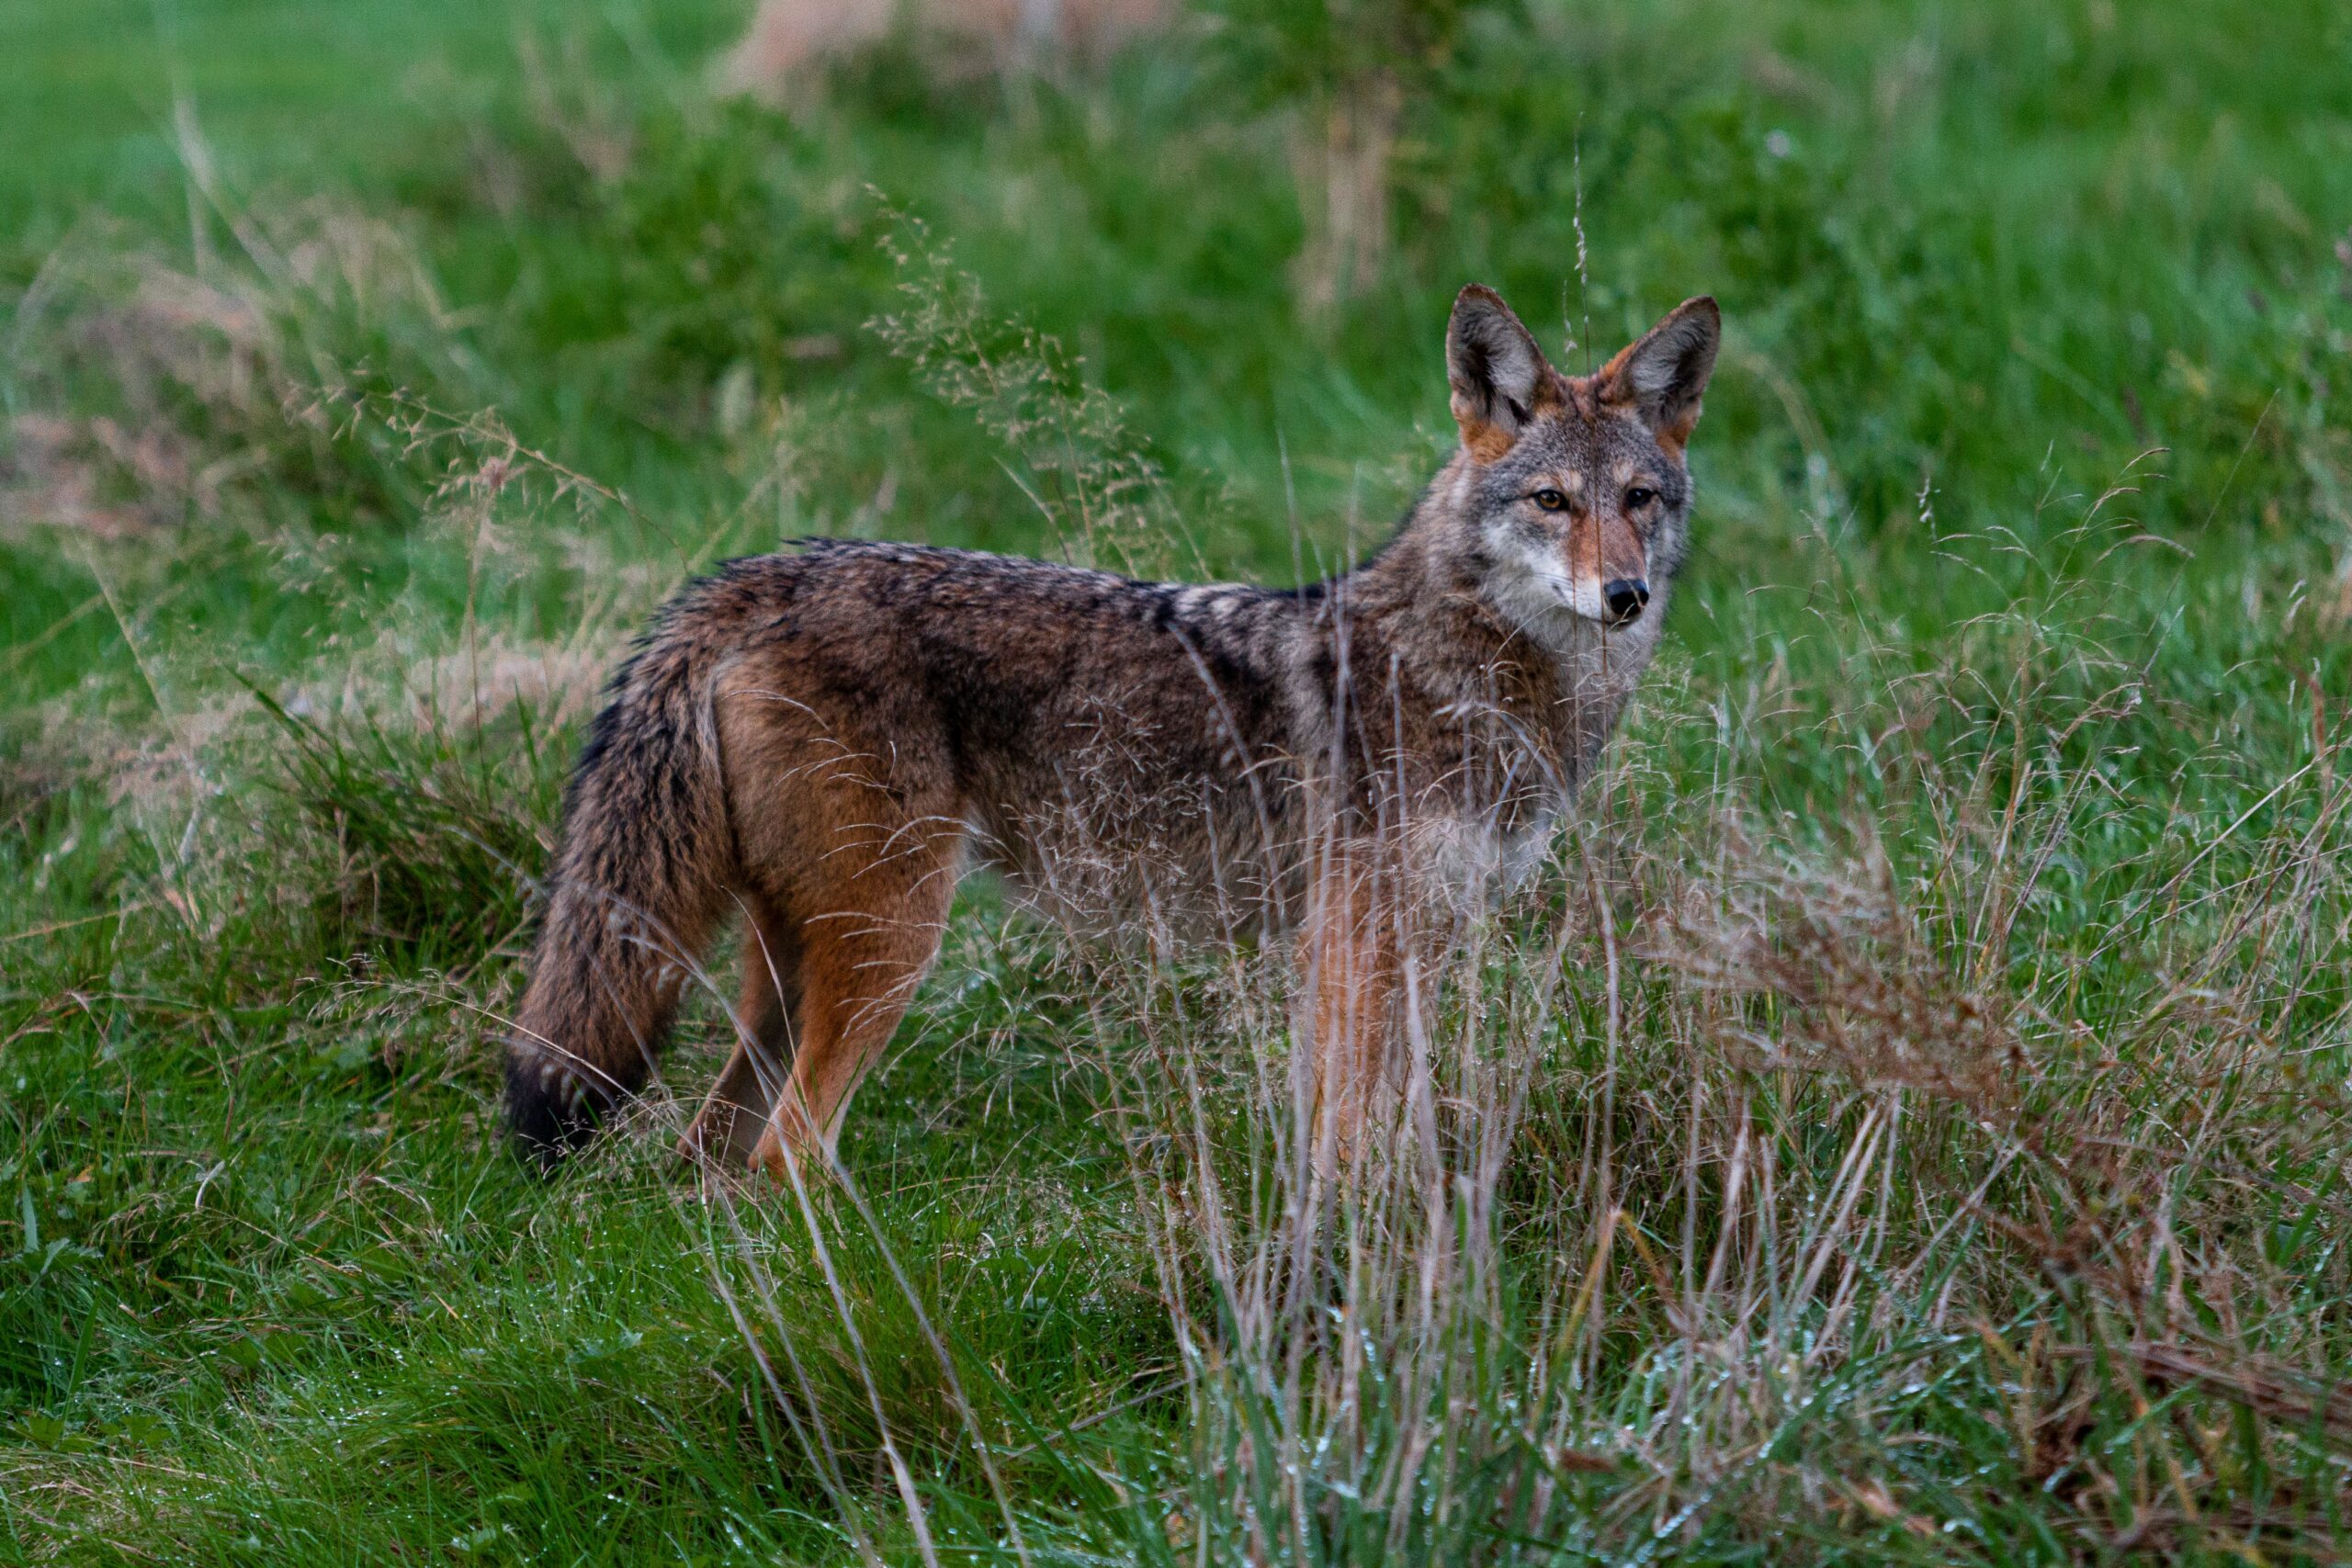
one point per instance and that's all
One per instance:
(1569, 495)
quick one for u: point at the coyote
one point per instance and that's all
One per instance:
(824, 739)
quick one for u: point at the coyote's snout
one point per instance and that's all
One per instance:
(822, 740)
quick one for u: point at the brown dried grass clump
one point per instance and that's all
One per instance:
(789, 40)
(162, 390)
(1839, 979)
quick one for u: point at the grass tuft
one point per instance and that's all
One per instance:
(432, 840)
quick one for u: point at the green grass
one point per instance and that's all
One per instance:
(1958, 1174)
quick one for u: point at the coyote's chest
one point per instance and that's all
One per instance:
(1471, 862)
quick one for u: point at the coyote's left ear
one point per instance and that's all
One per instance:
(1665, 372)
(1500, 378)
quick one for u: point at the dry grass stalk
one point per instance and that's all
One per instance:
(1341, 160)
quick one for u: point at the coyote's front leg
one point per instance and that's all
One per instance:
(1350, 962)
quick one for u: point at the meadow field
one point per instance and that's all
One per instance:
(1908, 1122)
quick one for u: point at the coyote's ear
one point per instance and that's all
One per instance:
(1665, 372)
(1500, 376)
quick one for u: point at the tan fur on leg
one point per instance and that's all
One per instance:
(729, 1124)
(1350, 955)
(860, 964)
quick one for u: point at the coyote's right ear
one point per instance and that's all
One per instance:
(1500, 376)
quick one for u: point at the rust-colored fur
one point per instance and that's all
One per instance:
(819, 741)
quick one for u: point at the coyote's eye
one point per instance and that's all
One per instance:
(1639, 496)
(1551, 500)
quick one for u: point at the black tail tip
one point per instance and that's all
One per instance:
(550, 1114)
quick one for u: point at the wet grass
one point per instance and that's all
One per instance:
(1908, 1127)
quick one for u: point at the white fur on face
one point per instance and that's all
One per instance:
(1528, 581)
(1533, 587)
(1532, 581)
(1585, 598)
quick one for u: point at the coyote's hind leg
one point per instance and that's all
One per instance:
(729, 1124)
(861, 958)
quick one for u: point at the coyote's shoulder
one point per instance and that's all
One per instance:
(826, 737)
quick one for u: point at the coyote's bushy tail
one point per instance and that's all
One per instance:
(638, 887)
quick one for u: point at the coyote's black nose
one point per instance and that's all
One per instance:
(1626, 595)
